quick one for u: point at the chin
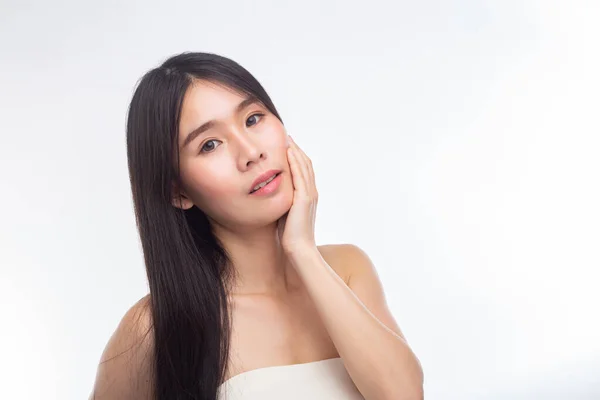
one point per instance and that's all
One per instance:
(277, 208)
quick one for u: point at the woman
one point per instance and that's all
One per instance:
(243, 304)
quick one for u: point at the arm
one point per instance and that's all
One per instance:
(373, 348)
(125, 368)
(367, 338)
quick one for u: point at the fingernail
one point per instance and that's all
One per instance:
(289, 140)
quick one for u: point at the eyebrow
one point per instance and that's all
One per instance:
(210, 124)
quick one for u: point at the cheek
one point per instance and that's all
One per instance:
(277, 136)
(217, 190)
(209, 184)
(276, 145)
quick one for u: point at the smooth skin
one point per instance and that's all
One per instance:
(280, 315)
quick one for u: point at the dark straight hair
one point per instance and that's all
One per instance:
(189, 271)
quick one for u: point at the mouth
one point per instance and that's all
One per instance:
(264, 183)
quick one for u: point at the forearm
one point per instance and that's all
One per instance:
(379, 361)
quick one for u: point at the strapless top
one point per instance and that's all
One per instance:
(317, 380)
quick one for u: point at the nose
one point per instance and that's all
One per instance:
(250, 152)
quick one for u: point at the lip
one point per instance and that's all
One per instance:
(263, 177)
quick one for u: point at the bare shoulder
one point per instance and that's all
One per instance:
(333, 255)
(343, 258)
(358, 271)
(124, 370)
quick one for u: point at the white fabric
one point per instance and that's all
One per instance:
(318, 380)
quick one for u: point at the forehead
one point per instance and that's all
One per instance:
(205, 101)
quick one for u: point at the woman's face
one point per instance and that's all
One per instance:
(219, 165)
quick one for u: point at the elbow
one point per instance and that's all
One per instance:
(410, 390)
(413, 393)
(415, 389)
(417, 393)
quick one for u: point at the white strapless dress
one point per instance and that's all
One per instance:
(317, 380)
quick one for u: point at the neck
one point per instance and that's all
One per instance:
(260, 263)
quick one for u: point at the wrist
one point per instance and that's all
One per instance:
(301, 251)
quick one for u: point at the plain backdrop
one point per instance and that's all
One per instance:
(456, 142)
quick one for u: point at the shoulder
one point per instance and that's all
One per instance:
(358, 271)
(346, 259)
(125, 366)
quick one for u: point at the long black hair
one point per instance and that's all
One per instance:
(189, 271)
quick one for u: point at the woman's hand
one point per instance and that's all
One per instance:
(297, 228)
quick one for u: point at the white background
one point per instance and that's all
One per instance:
(456, 142)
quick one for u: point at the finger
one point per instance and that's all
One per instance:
(301, 162)
(297, 175)
(308, 168)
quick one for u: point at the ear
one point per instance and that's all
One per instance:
(179, 199)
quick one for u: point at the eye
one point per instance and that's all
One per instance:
(208, 149)
(255, 115)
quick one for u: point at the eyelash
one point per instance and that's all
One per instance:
(212, 140)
